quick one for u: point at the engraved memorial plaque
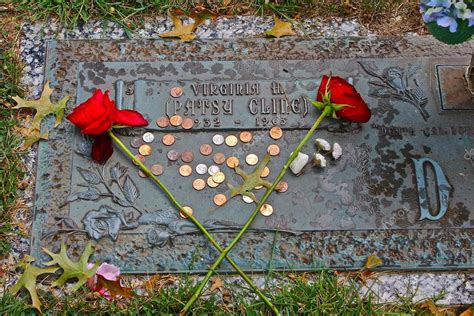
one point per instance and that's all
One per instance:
(402, 189)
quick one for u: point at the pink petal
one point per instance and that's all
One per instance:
(108, 271)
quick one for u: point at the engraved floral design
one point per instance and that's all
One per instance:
(105, 222)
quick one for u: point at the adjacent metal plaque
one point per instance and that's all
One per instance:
(403, 188)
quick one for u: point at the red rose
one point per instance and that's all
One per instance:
(96, 116)
(343, 93)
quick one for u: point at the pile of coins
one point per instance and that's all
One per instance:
(215, 175)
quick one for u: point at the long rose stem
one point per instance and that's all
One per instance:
(327, 110)
(194, 220)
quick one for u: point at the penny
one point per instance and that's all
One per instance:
(273, 150)
(251, 159)
(266, 210)
(282, 186)
(201, 168)
(276, 132)
(213, 169)
(233, 162)
(245, 136)
(176, 120)
(211, 183)
(218, 139)
(265, 172)
(136, 142)
(187, 156)
(172, 155)
(205, 149)
(231, 140)
(142, 174)
(187, 123)
(219, 158)
(157, 169)
(247, 199)
(199, 184)
(139, 158)
(145, 150)
(148, 137)
(163, 122)
(176, 92)
(218, 177)
(220, 199)
(188, 210)
(185, 170)
(168, 139)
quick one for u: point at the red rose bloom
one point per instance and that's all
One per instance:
(343, 93)
(96, 116)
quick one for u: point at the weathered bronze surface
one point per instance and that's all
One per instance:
(403, 188)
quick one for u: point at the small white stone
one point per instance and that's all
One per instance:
(319, 161)
(298, 164)
(323, 144)
(336, 151)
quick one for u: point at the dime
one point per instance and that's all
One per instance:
(213, 169)
(205, 149)
(218, 177)
(187, 123)
(148, 137)
(168, 139)
(276, 132)
(251, 159)
(199, 184)
(259, 187)
(136, 142)
(245, 136)
(145, 150)
(157, 169)
(218, 139)
(201, 168)
(172, 155)
(142, 174)
(219, 158)
(282, 186)
(163, 122)
(266, 210)
(231, 140)
(188, 209)
(220, 199)
(187, 156)
(233, 162)
(211, 183)
(247, 199)
(185, 170)
(273, 150)
(176, 92)
(265, 172)
(139, 158)
(176, 120)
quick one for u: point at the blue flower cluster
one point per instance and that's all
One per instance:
(447, 13)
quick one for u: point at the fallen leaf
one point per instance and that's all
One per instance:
(72, 269)
(467, 312)
(372, 262)
(183, 32)
(156, 282)
(280, 28)
(32, 136)
(28, 279)
(200, 14)
(217, 284)
(43, 107)
(114, 287)
(432, 307)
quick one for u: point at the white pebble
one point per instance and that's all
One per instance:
(336, 151)
(298, 164)
(319, 161)
(323, 144)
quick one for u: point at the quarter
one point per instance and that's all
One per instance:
(187, 123)
(188, 210)
(220, 199)
(273, 150)
(231, 140)
(251, 159)
(163, 122)
(276, 132)
(168, 139)
(176, 92)
(176, 120)
(199, 184)
(245, 136)
(233, 162)
(201, 168)
(185, 170)
(219, 158)
(157, 169)
(205, 149)
(213, 169)
(145, 150)
(218, 177)
(266, 210)
(148, 137)
(218, 139)
(172, 155)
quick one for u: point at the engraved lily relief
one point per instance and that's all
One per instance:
(395, 83)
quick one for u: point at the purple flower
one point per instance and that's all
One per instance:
(448, 21)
